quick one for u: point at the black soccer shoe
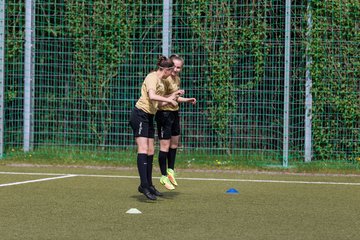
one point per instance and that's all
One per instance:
(147, 193)
(155, 192)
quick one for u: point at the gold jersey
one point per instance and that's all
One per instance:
(152, 81)
(171, 84)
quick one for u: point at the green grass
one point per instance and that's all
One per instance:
(185, 160)
(90, 207)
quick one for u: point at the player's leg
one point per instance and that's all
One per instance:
(142, 143)
(171, 159)
(164, 121)
(139, 122)
(174, 142)
(164, 148)
(150, 158)
(142, 159)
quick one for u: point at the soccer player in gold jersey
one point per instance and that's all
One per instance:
(142, 123)
(168, 125)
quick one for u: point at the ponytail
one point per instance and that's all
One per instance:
(164, 62)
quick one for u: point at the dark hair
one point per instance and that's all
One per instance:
(164, 62)
(176, 57)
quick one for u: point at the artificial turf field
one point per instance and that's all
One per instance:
(88, 203)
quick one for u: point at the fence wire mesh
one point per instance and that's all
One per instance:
(90, 58)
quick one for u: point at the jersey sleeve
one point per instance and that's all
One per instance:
(150, 83)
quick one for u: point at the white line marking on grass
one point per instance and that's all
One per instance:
(109, 176)
(62, 175)
(26, 173)
(36, 180)
(268, 181)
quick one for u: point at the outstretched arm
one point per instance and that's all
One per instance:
(154, 97)
(175, 95)
(189, 100)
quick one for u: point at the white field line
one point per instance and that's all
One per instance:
(270, 181)
(36, 180)
(62, 175)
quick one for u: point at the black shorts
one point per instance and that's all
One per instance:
(168, 124)
(142, 123)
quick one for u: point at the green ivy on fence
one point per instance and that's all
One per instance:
(335, 71)
(82, 47)
(224, 40)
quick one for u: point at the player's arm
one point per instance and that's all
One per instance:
(154, 97)
(176, 94)
(189, 100)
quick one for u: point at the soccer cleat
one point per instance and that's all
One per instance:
(166, 182)
(155, 192)
(171, 176)
(147, 193)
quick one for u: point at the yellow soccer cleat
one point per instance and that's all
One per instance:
(171, 176)
(166, 182)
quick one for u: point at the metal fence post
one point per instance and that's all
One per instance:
(308, 85)
(167, 25)
(2, 75)
(287, 83)
(29, 74)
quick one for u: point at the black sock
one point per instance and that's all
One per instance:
(162, 162)
(171, 158)
(150, 168)
(142, 168)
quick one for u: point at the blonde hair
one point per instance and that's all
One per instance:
(176, 57)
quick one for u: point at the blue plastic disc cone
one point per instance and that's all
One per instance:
(232, 191)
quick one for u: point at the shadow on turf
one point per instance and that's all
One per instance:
(167, 195)
(170, 195)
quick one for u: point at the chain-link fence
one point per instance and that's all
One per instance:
(275, 81)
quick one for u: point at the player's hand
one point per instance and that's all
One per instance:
(174, 96)
(177, 94)
(192, 101)
(180, 92)
(174, 103)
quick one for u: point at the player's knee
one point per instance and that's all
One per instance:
(164, 145)
(174, 142)
(142, 149)
(150, 151)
